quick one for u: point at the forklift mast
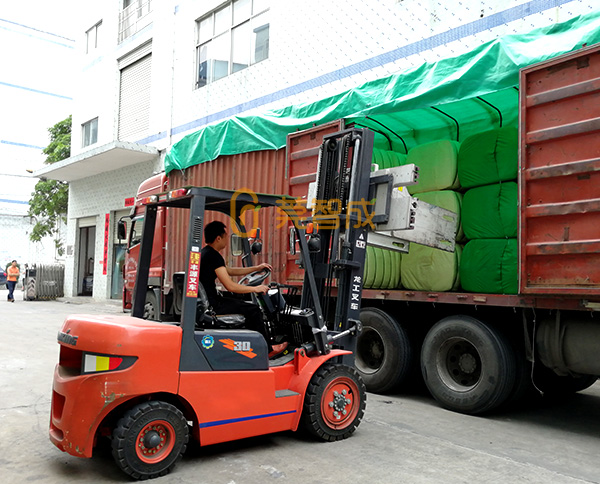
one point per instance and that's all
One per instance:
(354, 203)
(341, 213)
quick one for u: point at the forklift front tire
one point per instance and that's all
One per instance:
(150, 439)
(334, 403)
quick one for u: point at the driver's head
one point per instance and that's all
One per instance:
(213, 231)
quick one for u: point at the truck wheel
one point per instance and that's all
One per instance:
(150, 439)
(334, 403)
(467, 366)
(383, 351)
(553, 385)
(151, 306)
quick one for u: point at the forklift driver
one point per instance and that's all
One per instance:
(212, 266)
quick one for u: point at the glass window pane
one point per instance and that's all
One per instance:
(222, 19)
(240, 52)
(259, 5)
(205, 29)
(219, 57)
(241, 10)
(89, 41)
(97, 35)
(202, 56)
(94, 131)
(260, 38)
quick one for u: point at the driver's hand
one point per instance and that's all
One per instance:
(264, 265)
(262, 289)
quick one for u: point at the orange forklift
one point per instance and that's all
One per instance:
(149, 385)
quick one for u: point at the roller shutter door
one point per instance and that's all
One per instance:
(134, 99)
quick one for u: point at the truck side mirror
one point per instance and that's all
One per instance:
(236, 245)
(121, 232)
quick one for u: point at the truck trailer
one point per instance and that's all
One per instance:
(522, 318)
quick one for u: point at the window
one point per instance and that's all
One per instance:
(91, 38)
(137, 230)
(231, 38)
(134, 16)
(89, 132)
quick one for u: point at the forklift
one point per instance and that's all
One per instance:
(148, 386)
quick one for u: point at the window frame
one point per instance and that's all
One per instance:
(205, 41)
(84, 138)
(95, 29)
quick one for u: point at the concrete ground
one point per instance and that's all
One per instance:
(404, 438)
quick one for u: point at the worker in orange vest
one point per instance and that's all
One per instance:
(12, 276)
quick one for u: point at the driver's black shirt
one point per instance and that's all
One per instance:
(210, 261)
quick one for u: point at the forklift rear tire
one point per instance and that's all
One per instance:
(334, 403)
(150, 439)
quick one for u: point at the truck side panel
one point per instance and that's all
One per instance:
(259, 171)
(560, 176)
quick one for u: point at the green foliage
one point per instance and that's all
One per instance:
(49, 202)
(60, 142)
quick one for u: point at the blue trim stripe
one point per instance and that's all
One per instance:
(37, 30)
(38, 37)
(243, 419)
(20, 202)
(22, 145)
(466, 30)
(37, 91)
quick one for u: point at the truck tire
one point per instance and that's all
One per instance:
(151, 306)
(553, 385)
(334, 403)
(150, 439)
(467, 366)
(384, 355)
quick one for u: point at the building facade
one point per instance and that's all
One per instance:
(31, 103)
(152, 71)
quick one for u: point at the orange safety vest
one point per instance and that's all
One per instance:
(12, 273)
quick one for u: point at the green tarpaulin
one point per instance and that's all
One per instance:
(490, 266)
(491, 211)
(489, 157)
(399, 107)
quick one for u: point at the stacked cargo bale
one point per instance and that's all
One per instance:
(426, 268)
(487, 167)
(382, 266)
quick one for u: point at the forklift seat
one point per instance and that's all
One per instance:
(205, 314)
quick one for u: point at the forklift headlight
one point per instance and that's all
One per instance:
(95, 363)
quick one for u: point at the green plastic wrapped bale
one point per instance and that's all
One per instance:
(382, 268)
(490, 266)
(388, 159)
(437, 162)
(491, 211)
(449, 200)
(489, 157)
(428, 269)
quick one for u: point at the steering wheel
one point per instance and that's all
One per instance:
(255, 278)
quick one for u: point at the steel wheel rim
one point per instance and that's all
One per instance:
(155, 441)
(370, 351)
(340, 403)
(459, 364)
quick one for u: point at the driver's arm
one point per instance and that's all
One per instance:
(242, 271)
(230, 285)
